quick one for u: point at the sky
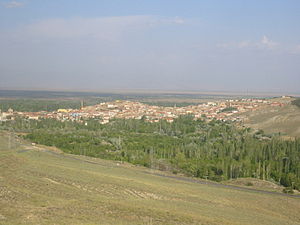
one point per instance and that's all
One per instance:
(192, 45)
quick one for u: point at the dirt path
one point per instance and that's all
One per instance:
(210, 183)
(154, 173)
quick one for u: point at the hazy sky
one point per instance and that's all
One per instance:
(231, 45)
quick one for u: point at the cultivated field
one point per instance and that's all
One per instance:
(43, 186)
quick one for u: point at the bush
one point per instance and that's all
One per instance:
(288, 190)
(249, 184)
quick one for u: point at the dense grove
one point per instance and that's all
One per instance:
(215, 150)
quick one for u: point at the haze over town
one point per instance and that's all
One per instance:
(153, 45)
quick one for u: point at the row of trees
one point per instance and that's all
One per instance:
(214, 150)
(36, 105)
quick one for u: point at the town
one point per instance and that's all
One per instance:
(226, 110)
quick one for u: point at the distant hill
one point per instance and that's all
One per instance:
(284, 120)
(296, 102)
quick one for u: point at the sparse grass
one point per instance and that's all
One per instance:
(47, 187)
(255, 183)
(284, 120)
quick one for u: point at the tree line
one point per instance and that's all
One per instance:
(214, 150)
(49, 105)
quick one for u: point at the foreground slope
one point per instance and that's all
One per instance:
(40, 186)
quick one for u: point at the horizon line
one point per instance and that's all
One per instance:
(157, 91)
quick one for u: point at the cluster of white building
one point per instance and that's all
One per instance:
(136, 110)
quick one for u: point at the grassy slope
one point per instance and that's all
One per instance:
(276, 119)
(257, 184)
(44, 187)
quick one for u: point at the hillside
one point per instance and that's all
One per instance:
(43, 186)
(285, 120)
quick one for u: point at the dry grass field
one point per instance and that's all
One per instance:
(285, 120)
(42, 186)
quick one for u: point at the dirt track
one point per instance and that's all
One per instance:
(186, 179)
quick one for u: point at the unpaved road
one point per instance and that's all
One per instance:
(180, 178)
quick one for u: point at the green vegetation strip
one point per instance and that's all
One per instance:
(212, 150)
(41, 187)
